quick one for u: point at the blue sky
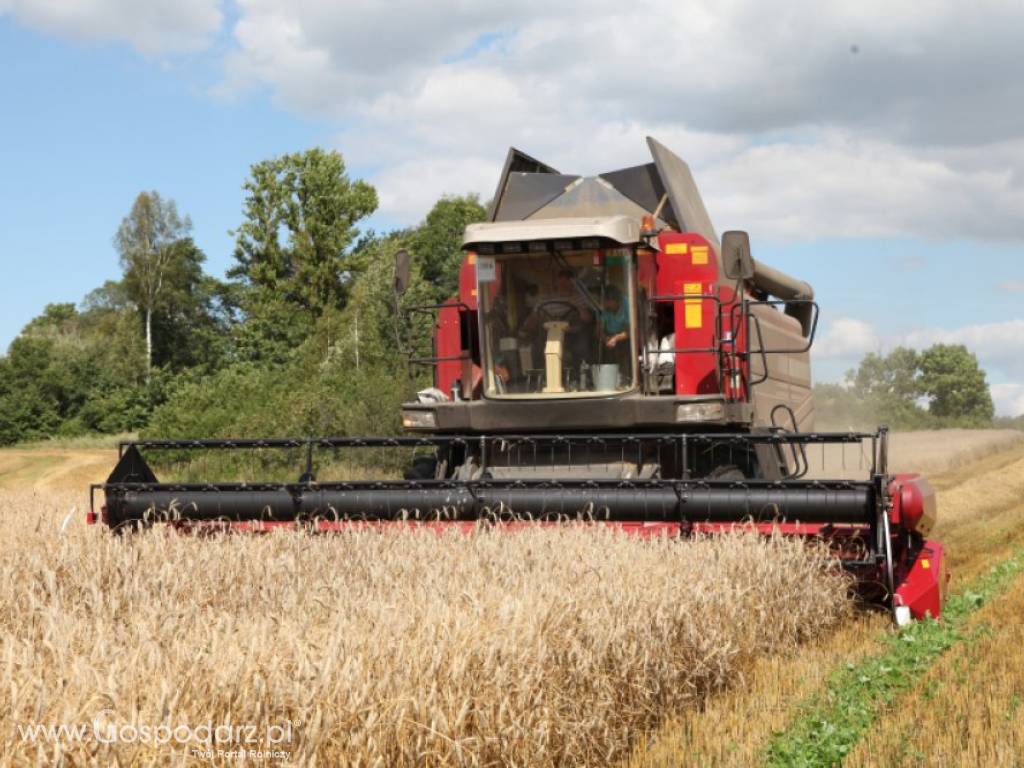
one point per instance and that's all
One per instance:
(85, 129)
(850, 170)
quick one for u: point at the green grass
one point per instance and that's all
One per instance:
(829, 726)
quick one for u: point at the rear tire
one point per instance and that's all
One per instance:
(727, 472)
(422, 468)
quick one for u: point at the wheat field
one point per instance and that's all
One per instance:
(541, 647)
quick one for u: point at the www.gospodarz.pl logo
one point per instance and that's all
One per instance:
(208, 739)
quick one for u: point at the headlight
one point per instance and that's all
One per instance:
(700, 411)
(419, 419)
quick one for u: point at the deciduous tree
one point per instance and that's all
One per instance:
(436, 244)
(301, 211)
(149, 242)
(955, 385)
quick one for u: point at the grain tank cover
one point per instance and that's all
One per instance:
(529, 189)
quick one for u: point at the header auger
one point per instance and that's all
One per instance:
(606, 358)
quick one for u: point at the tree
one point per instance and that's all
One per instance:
(191, 323)
(70, 372)
(955, 385)
(437, 243)
(371, 330)
(308, 199)
(893, 376)
(29, 399)
(149, 243)
(886, 389)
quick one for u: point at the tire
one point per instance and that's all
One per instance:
(422, 468)
(727, 472)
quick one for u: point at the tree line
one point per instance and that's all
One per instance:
(303, 337)
(942, 386)
(300, 338)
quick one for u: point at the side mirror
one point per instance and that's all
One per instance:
(737, 263)
(402, 270)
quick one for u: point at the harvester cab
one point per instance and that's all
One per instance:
(607, 358)
(609, 302)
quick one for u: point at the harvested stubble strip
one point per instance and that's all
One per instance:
(542, 647)
(978, 689)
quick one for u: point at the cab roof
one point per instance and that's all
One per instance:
(620, 229)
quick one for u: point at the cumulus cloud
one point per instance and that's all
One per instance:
(801, 121)
(847, 338)
(1000, 344)
(837, 184)
(154, 27)
(737, 67)
(1009, 399)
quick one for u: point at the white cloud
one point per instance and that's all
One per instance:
(790, 132)
(737, 67)
(999, 344)
(847, 338)
(1009, 399)
(409, 189)
(791, 135)
(841, 185)
(152, 27)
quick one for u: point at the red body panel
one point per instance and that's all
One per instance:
(923, 587)
(448, 344)
(449, 340)
(467, 281)
(687, 264)
(641, 530)
(913, 503)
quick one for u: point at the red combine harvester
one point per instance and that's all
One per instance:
(607, 358)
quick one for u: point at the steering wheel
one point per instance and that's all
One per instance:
(543, 309)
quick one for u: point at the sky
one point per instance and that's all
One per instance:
(874, 149)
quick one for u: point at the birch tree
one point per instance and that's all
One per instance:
(146, 242)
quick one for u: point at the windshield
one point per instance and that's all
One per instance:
(557, 324)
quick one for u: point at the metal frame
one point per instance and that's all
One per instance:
(561, 447)
(434, 309)
(716, 345)
(761, 350)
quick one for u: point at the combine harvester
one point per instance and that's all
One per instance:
(608, 358)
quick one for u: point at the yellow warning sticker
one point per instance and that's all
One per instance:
(925, 564)
(700, 254)
(675, 248)
(693, 316)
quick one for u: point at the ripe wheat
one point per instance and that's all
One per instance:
(541, 647)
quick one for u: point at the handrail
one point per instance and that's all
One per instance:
(434, 309)
(716, 346)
